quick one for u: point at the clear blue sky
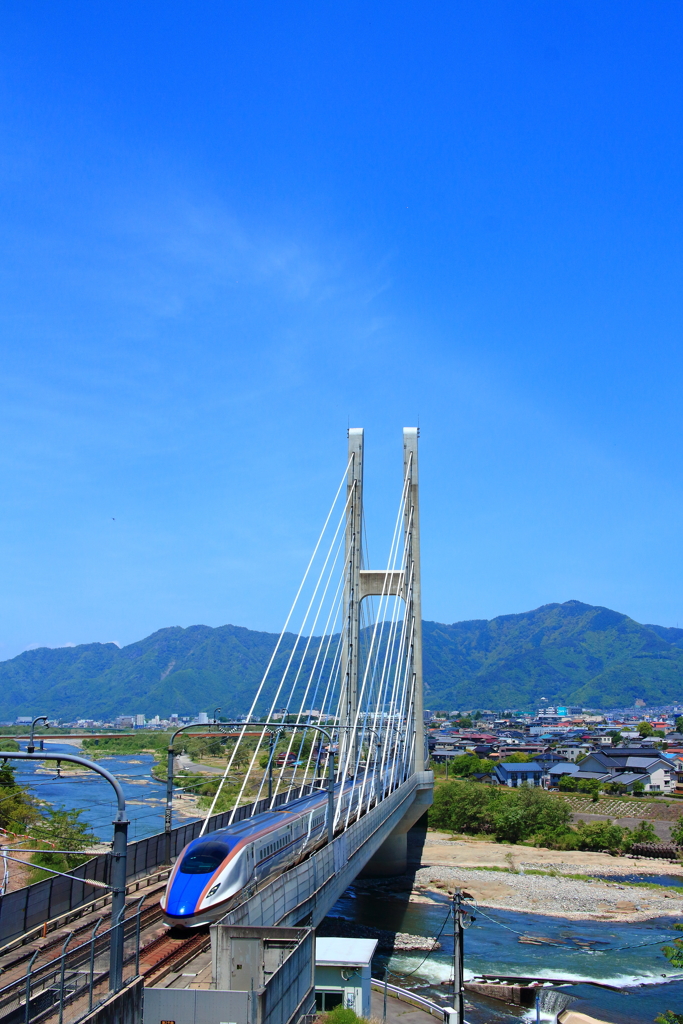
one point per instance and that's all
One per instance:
(230, 229)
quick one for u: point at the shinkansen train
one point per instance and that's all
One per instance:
(212, 872)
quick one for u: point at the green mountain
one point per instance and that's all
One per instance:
(569, 653)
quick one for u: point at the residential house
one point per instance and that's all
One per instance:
(573, 751)
(629, 765)
(514, 773)
(554, 772)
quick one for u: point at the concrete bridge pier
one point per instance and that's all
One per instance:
(392, 856)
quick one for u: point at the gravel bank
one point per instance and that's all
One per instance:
(469, 853)
(542, 894)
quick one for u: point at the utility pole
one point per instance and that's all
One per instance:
(462, 918)
(458, 959)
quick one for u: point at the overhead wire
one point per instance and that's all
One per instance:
(277, 646)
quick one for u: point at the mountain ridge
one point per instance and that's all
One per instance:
(568, 653)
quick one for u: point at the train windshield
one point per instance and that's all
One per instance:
(204, 858)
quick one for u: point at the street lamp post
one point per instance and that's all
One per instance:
(31, 744)
(119, 855)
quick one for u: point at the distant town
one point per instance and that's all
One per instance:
(623, 751)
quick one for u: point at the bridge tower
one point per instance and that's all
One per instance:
(360, 583)
(352, 591)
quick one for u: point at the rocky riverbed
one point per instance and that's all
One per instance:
(575, 899)
(596, 900)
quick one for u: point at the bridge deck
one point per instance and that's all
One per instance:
(307, 892)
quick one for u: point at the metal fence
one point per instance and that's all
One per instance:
(30, 907)
(69, 987)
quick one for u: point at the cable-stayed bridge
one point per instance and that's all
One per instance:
(338, 709)
(351, 690)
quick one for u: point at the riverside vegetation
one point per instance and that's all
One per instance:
(22, 816)
(530, 815)
(212, 752)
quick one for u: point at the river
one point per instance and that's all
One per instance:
(91, 794)
(648, 985)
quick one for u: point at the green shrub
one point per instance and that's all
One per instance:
(643, 833)
(510, 815)
(601, 835)
(341, 1015)
(677, 831)
(674, 954)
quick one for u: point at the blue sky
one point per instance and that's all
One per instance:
(228, 230)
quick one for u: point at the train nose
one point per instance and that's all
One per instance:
(183, 898)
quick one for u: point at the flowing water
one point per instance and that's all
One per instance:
(625, 957)
(91, 794)
(673, 880)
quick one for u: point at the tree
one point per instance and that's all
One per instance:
(468, 764)
(645, 729)
(601, 835)
(638, 788)
(568, 784)
(677, 831)
(590, 786)
(510, 814)
(529, 811)
(518, 758)
(477, 716)
(61, 830)
(18, 808)
(462, 807)
(679, 724)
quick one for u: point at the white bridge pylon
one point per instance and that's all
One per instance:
(348, 660)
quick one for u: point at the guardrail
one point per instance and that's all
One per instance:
(406, 996)
(73, 984)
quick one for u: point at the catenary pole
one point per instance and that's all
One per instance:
(257, 727)
(168, 815)
(117, 879)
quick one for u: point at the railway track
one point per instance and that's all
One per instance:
(47, 946)
(13, 965)
(169, 953)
